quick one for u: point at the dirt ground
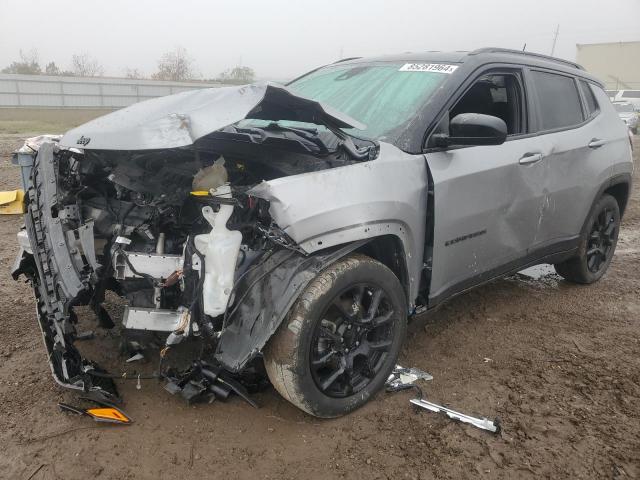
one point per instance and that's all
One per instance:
(558, 363)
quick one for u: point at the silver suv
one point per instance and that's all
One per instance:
(300, 227)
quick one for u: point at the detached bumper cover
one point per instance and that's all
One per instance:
(57, 272)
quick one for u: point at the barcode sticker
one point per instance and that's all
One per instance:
(428, 67)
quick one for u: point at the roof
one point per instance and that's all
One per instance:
(483, 56)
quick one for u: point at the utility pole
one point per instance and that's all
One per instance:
(555, 39)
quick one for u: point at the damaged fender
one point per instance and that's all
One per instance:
(331, 222)
(385, 196)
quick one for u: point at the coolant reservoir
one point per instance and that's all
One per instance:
(220, 248)
(210, 177)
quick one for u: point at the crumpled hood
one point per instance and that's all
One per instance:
(181, 119)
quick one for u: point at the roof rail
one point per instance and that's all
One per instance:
(531, 54)
(346, 59)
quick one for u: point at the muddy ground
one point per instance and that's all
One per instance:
(558, 363)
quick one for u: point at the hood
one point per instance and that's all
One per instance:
(181, 119)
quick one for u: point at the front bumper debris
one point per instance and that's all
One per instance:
(59, 275)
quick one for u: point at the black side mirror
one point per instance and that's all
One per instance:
(473, 129)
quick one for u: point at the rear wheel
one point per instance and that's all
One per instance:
(597, 246)
(341, 339)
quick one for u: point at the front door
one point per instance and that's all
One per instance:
(488, 200)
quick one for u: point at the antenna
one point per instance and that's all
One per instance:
(555, 39)
(524, 47)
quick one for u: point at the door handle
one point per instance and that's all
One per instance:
(596, 143)
(529, 158)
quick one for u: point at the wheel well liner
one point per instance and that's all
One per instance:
(388, 250)
(265, 296)
(618, 187)
(620, 191)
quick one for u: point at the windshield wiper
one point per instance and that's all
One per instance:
(346, 140)
(307, 137)
(311, 139)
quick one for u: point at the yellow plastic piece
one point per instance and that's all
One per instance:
(108, 414)
(200, 193)
(11, 202)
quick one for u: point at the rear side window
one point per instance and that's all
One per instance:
(590, 99)
(558, 99)
(631, 94)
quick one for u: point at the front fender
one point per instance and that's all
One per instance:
(385, 196)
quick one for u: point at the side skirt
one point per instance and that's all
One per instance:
(554, 253)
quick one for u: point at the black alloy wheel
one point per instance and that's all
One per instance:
(341, 338)
(352, 340)
(601, 240)
(597, 244)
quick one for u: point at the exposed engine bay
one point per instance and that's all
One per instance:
(179, 234)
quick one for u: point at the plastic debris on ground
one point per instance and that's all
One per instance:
(105, 412)
(402, 378)
(11, 202)
(405, 376)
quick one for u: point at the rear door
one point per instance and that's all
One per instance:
(578, 142)
(487, 199)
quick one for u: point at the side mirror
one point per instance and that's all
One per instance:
(473, 129)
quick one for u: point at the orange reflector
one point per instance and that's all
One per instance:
(108, 414)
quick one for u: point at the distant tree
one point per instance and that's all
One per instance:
(52, 69)
(28, 64)
(238, 75)
(83, 65)
(133, 73)
(175, 65)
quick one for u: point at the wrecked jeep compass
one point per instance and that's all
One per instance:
(301, 226)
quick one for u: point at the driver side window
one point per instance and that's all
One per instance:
(499, 95)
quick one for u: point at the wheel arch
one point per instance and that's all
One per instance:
(620, 191)
(279, 282)
(619, 187)
(389, 250)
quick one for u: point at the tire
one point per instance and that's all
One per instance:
(597, 245)
(330, 328)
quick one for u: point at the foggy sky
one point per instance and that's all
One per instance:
(281, 39)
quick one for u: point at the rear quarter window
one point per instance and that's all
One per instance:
(558, 100)
(590, 99)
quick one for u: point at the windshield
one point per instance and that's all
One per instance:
(623, 107)
(383, 96)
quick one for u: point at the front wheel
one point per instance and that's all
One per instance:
(341, 339)
(596, 246)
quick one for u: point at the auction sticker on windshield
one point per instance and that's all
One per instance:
(428, 67)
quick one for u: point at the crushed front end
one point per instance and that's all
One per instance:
(179, 235)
